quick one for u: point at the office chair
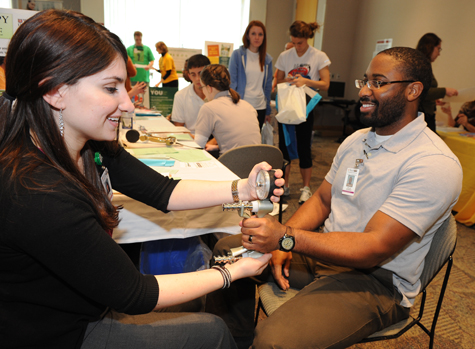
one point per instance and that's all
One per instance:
(241, 160)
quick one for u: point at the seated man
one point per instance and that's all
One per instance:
(361, 273)
(187, 102)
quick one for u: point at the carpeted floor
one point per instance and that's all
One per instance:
(456, 325)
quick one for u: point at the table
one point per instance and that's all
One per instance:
(140, 223)
(464, 148)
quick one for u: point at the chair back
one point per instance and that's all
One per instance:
(241, 160)
(442, 246)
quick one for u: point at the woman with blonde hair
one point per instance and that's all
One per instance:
(250, 67)
(166, 66)
(302, 65)
(231, 120)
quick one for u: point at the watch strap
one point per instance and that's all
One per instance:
(234, 190)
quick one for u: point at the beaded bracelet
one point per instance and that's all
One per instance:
(225, 273)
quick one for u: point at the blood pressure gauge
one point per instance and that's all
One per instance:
(265, 184)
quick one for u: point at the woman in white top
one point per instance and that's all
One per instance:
(231, 120)
(251, 70)
(302, 65)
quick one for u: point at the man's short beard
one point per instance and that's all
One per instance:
(388, 113)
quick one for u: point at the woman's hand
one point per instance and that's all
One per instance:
(451, 92)
(246, 267)
(247, 187)
(211, 147)
(138, 88)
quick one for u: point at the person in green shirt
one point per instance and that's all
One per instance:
(143, 59)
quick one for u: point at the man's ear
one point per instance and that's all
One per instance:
(415, 89)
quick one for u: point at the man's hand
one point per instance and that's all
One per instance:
(266, 233)
(281, 261)
(298, 80)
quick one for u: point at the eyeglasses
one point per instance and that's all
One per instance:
(376, 84)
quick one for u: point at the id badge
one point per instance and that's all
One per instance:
(106, 182)
(351, 178)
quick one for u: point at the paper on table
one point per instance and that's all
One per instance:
(178, 136)
(150, 152)
(158, 162)
(190, 155)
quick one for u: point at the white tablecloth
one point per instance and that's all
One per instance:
(140, 222)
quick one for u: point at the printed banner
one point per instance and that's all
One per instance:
(10, 20)
(161, 99)
(219, 52)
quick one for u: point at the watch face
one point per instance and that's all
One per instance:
(287, 243)
(262, 185)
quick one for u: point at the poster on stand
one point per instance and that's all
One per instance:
(382, 45)
(219, 52)
(161, 99)
(10, 20)
(180, 55)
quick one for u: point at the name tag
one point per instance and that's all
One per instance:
(351, 178)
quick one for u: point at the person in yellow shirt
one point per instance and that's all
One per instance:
(167, 67)
(2, 73)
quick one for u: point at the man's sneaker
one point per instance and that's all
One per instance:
(306, 194)
(286, 191)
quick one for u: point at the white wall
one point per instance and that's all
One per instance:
(358, 24)
(93, 9)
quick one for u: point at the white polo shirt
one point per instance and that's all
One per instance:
(186, 106)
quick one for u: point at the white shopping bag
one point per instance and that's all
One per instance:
(291, 103)
(267, 134)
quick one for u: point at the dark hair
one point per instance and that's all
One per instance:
(263, 47)
(2, 59)
(217, 76)
(413, 65)
(300, 29)
(427, 44)
(52, 49)
(198, 61)
(137, 33)
(161, 45)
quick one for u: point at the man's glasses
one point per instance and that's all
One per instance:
(376, 84)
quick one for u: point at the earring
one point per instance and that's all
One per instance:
(61, 123)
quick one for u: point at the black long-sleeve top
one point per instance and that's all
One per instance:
(59, 269)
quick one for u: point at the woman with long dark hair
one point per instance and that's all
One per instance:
(302, 65)
(231, 120)
(431, 46)
(64, 282)
(250, 67)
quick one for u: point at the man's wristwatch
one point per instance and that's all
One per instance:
(287, 242)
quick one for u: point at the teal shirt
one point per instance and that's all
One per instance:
(140, 55)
